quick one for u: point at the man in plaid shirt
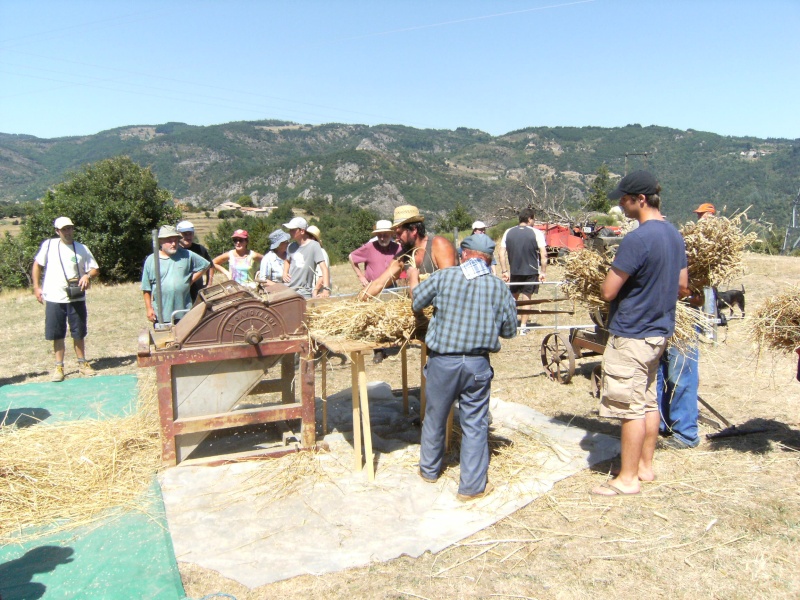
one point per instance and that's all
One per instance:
(472, 310)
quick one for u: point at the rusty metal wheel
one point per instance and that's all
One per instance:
(597, 380)
(558, 357)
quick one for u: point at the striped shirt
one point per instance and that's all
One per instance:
(469, 314)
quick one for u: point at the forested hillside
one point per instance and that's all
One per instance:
(382, 166)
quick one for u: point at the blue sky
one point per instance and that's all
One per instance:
(73, 67)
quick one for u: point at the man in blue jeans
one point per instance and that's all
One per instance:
(473, 309)
(679, 380)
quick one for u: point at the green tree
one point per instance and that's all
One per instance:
(15, 262)
(115, 204)
(459, 218)
(598, 193)
(245, 201)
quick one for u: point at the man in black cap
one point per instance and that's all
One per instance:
(472, 310)
(643, 285)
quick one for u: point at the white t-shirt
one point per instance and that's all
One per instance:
(77, 261)
(540, 241)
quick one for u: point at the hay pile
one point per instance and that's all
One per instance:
(776, 323)
(72, 473)
(377, 321)
(714, 250)
(584, 273)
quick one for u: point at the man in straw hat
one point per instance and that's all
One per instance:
(186, 229)
(376, 254)
(418, 250)
(302, 258)
(68, 268)
(643, 285)
(473, 309)
(178, 269)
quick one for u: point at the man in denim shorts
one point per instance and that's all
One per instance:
(643, 285)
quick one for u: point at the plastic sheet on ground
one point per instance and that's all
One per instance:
(228, 519)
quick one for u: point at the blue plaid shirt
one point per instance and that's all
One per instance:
(472, 309)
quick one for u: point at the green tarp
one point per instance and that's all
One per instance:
(126, 555)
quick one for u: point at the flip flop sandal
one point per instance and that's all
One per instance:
(615, 491)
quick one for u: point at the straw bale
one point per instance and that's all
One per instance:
(72, 473)
(378, 321)
(715, 250)
(776, 323)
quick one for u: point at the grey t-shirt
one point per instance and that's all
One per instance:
(303, 262)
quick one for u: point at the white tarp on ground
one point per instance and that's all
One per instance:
(220, 520)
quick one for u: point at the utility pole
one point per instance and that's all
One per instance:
(627, 154)
(793, 231)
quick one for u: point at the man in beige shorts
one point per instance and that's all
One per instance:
(643, 284)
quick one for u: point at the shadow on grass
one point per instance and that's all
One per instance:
(113, 362)
(20, 378)
(757, 436)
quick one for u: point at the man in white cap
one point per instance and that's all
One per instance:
(302, 258)
(376, 254)
(178, 269)
(419, 251)
(186, 229)
(68, 268)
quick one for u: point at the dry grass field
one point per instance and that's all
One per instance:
(721, 521)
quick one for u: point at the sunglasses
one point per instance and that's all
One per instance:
(239, 240)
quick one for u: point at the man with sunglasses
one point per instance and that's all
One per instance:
(178, 269)
(68, 268)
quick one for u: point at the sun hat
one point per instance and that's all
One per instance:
(296, 223)
(277, 237)
(383, 226)
(480, 242)
(168, 231)
(314, 232)
(62, 222)
(707, 207)
(184, 226)
(240, 233)
(638, 182)
(479, 225)
(406, 214)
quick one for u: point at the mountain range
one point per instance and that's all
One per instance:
(382, 166)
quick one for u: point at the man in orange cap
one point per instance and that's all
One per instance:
(705, 211)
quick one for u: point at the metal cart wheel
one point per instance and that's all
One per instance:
(558, 357)
(597, 380)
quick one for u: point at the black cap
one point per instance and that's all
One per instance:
(638, 182)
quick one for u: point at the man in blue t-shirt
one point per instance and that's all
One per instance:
(643, 285)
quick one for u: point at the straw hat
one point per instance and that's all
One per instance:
(406, 214)
(314, 232)
(384, 226)
(166, 232)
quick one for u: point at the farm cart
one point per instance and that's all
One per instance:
(559, 352)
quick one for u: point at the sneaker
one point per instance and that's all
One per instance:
(86, 369)
(467, 497)
(58, 374)
(523, 331)
(377, 357)
(674, 443)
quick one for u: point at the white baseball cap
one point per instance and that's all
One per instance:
(297, 223)
(185, 226)
(62, 222)
(479, 225)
